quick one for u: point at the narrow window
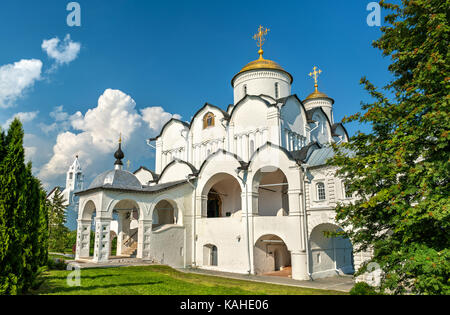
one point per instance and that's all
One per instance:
(347, 192)
(245, 89)
(252, 147)
(70, 175)
(321, 191)
(208, 120)
(276, 90)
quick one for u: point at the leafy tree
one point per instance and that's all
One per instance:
(57, 230)
(400, 170)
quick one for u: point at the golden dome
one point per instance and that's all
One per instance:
(316, 94)
(263, 64)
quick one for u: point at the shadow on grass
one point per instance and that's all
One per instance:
(82, 277)
(61, 289)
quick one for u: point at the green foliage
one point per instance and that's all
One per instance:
(56, 264)
(400, 171)
(57, 231)
(22, 225)
(362, 288)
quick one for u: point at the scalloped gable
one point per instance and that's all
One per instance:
(192, 168)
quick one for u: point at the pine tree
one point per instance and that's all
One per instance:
(56, 222)
(400, 170)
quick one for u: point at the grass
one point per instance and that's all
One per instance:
(161, 280)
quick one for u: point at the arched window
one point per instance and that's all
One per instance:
(277, 92)
(208, 120)
(321, 191)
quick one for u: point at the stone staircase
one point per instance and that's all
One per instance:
(130, 251)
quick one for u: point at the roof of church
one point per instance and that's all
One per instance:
(317, 94)
(320, 156)
(116, 178)
(141, 189)
(262, 64)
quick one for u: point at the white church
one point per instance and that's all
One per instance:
(243, 190)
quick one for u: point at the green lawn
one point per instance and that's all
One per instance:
(160, 280)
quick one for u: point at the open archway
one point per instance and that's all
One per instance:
(85, 233)
(329, 255)
(222, 195)
(165, 213)
(271, 256)
(126, 213)
(272, 186)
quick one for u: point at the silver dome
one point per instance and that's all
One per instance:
(116, 179)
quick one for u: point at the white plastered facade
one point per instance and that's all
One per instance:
(240, 187)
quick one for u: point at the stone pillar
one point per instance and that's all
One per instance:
(121, 233)
(144, 237)
(299, 265)
(83, 239)
(102, 239)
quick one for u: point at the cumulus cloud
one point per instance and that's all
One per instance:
(156, 117)
(62, 52)
(16, 78)
(24, 118)
(95, 135)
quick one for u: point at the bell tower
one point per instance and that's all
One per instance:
(74, 179)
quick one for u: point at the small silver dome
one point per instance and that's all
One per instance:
(116, 179)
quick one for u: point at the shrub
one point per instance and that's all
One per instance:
(362, 288)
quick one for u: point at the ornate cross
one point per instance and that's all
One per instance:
(128, 164)
(315, 75)
(260, 38)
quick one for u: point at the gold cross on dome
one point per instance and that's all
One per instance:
(128, 164)
(260, 38)
(315, 75)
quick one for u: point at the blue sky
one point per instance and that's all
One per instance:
(176, 55)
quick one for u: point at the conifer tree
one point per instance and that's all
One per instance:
(23, 216)
(56, 222)
(400, 171)
(12, 208)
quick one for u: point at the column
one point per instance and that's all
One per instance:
(102, 235)
(144, 239)
(83, 239)
(299, 265)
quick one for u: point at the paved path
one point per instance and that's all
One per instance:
(338, 283)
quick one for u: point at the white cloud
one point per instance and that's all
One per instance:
(16, 78)
(98, 133)
(23, 117)
(62, 52)
(156, 117)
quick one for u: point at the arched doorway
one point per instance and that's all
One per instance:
(272, 187)
(223, 196)
(210, 255)
(329, 255)
(271, 256)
